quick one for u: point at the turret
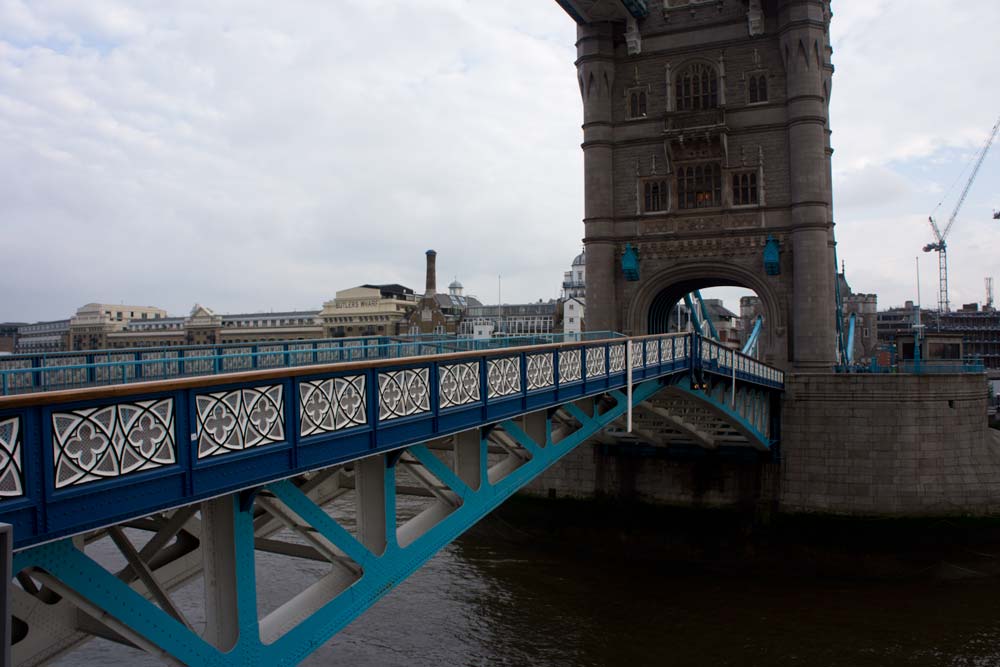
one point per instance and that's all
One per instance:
(805, 53)
(595, 66)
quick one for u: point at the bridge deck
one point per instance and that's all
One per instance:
(79, 459)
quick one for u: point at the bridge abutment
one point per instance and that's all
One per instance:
(866, 445)
(888, 445)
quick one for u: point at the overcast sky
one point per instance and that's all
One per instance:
(261, 155)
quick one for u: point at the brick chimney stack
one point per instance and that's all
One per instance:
(431, 287)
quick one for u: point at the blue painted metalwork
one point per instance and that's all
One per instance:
(714, 394)
(842, 350)
(23, 374)
(63, 566)
(637, 8)
(700, 317)
(699, 326)
(851, 324)
(772, 257)
(706, 316)
(750, 347)
(95, 457)
(713, 357)
(630, 263)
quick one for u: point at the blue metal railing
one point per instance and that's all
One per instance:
(717, 358)
(71, 370)
(96, 456)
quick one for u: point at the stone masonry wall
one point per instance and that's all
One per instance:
(594, 470)
(888, 445)
(881, 445)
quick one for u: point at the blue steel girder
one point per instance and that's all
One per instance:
(580, 10)
(637, 8)
(365, 565)
(745, 411)
(752, 343)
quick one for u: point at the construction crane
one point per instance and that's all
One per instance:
(939, 245)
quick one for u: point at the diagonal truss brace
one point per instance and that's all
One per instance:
(380, 558)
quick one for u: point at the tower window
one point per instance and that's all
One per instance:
(756, 88)
(745, 189)
(655, 196)
(697, 87)
(636, 103)
(699, 186)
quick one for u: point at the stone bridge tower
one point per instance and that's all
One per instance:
(706, 148)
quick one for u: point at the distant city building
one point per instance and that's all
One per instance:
(43, 337)
(726, 322)
(90, 327)
(368, 310)
(574, 295)
(203, 326)
(161, 332)
(864, 307)
(573, 314)
(439, 313)
(8, 336)
(575, 280)
(896, 320)
(285, 325)
(513, 319)
(979, 329)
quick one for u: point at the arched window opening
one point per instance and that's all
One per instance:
(756, 88)
(637, 104)
(655, 196)
(699, 186)
(697, 87)
(745, 191)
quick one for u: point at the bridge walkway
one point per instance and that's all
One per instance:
(54, 371)
(190, 477)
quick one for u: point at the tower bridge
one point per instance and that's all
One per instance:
(187, 477)
(707, 162)
(706, 143)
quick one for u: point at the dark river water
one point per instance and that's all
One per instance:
(509, 595)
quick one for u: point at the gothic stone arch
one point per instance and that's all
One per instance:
(670, 278)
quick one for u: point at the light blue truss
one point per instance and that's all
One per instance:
(145, 623)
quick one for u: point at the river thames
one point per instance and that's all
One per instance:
(526, 592)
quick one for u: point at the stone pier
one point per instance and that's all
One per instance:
(871, 445)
